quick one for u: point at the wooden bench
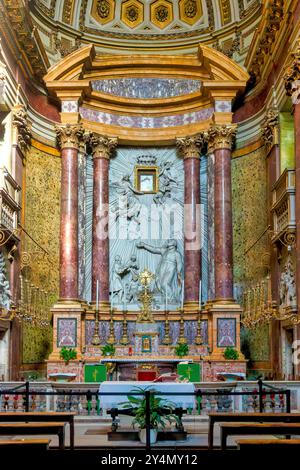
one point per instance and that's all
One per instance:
(36, 444)
(215, 417)
(39, 417)
(250, 444)
(20, 429)
(235, 429)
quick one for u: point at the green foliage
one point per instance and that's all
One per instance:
(108, 350)
(67, 354)
(181, 350)
(161, 410)
(231, 353)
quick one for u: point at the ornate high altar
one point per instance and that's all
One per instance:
(146, 210)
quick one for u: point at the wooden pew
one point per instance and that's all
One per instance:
(39, 417)
(215, 417)
(235, 429)
(28, 444)
(21, 429)
(250, 444)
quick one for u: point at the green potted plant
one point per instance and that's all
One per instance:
(181, 349)
(108, 350)
(161, 413)
(67, 354)
(231, 354)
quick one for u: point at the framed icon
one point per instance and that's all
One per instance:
(146, 179)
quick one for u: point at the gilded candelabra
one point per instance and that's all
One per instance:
(145, 297)
(111, 339)
(124, 340)
(96, 338)
(199, 339)
(167, 339)
(181, 339)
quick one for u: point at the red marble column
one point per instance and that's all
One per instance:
(192, 217)
(297, 214)
(220, 138)
(101, 148)
(69, 136)
(291, 78)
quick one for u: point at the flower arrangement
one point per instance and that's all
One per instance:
(67, 354)
(231, 353)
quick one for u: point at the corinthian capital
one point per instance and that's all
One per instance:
(102, 146)
(292, 76)
(190, 147)
(20, 123)
(221, 137)
(69, 135)
(269, 129)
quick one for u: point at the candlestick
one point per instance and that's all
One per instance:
(181, 339)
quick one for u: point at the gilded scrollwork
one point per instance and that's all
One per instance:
(20, 122)
(292, 76)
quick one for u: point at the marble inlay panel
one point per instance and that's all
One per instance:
(145, 122)
(147, 88)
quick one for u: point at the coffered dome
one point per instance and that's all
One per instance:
(228, 25)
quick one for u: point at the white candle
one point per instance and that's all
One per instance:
(166, 298)
(199, 295)
(97, 295)
(182, 294)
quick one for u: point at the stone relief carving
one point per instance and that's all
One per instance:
(169, 270)
(5, 294)
(147, 218)
(128, 204)
(287, 289)
(166, 181)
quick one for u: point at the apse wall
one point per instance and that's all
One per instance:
(42, 214)
(251, 258)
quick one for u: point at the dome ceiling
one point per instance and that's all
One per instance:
(149, 21)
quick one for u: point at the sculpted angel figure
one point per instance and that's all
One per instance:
(165, 183)
(128, 204)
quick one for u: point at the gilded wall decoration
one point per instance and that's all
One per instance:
(68, 11)
(132, 13)
(190, 11)
(42, 220)
(102, 10)
(249, 193)
(161, 13)
(225, 9)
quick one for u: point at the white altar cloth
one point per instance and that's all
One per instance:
(114, 401)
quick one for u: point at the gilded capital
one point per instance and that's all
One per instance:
(220, 137)
(102, 146)
(69, 135)
(22, 127)
(190, 147)
(269, 129)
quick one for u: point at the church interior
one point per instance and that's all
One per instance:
(149, 216)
